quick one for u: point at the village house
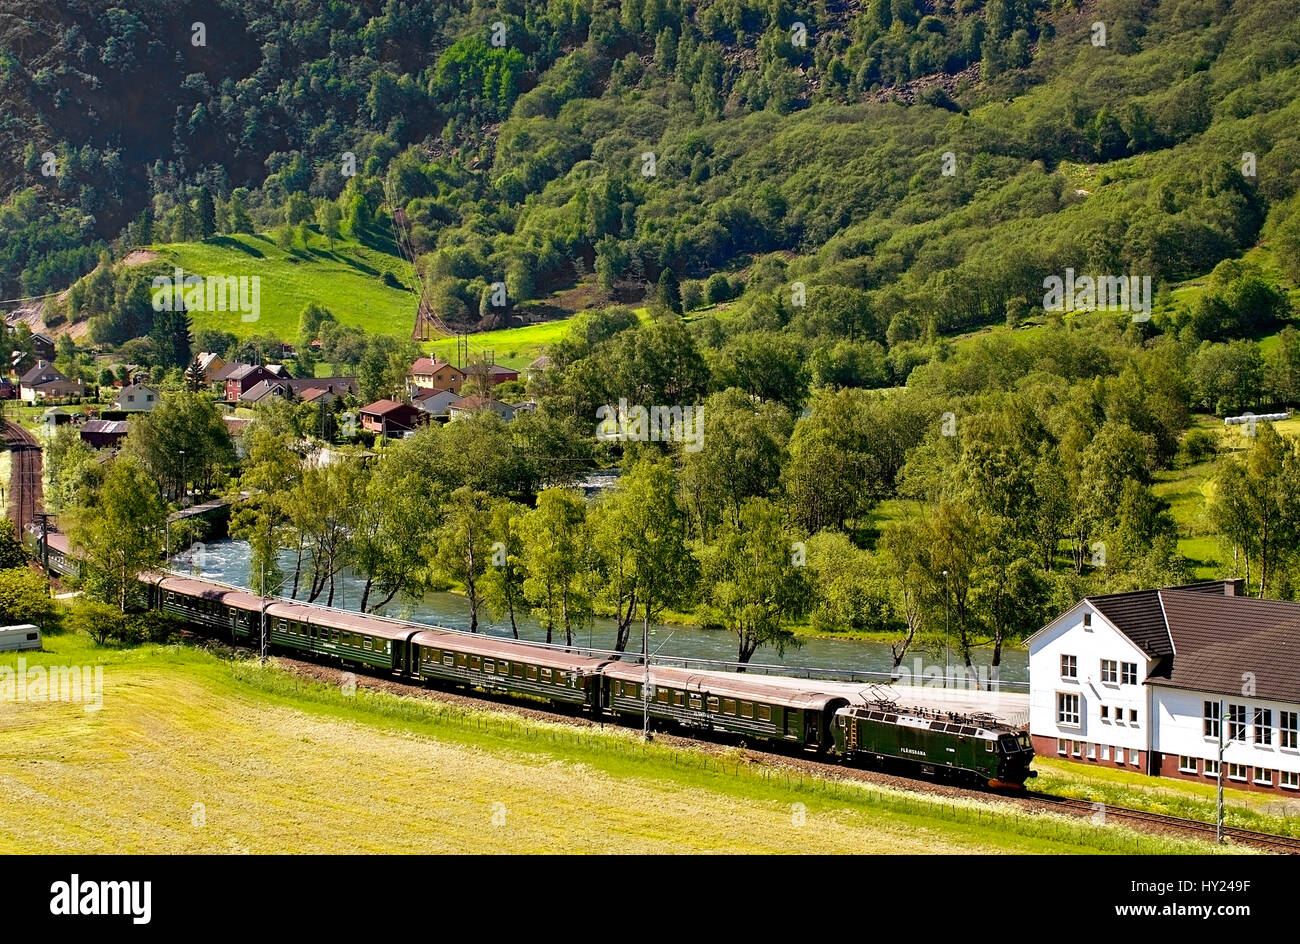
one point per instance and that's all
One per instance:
(437, 403)
(390, 418)
(1156, 680)
(431, 374)
(264, 390)
(238, 378)
(135, 398)
(103, 434)
(44, 382)
(210, 365)
(468, 405)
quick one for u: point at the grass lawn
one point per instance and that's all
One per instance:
(1188, 799)
(348, 280)
(194, 753)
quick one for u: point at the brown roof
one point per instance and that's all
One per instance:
(1140, 616)
(1218, 639)
(382, 407)
(429, 365)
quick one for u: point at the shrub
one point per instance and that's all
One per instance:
(24, 597)
(100, 621)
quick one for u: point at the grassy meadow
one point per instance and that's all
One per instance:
(192, 752)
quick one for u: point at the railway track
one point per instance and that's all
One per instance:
(24, 475)
(1287, 845)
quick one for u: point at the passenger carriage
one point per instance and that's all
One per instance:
(506, 666)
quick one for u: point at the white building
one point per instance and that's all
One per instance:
(1143, 680)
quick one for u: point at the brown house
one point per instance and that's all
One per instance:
(240, 378)
(389, 417)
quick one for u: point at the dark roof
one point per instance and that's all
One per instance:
(261, 390)
(107, 427)
(46, 370)
(331, 384)
(225, 372)
(1218, 639)
(1140, 616)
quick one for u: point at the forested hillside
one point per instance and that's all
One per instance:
(830, 223)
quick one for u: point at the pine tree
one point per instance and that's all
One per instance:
(207, 212)
(669, 293)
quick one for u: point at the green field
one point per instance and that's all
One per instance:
(348, 280)
(195, 753)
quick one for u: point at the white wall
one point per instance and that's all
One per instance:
(1067, 636)
(1179, 731)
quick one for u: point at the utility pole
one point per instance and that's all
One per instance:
(263, 588)
(1218, 821)
(45, 550)
(645, 678)
(946, 670)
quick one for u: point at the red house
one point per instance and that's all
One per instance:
(390, 418)
(243, 377)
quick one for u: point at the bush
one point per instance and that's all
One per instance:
(24, 597)
(1198, 445)
(100, 621)
(152, 626)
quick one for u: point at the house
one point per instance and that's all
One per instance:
(429, 373)
(334, 385)
(389, 417)
(210, 365)
(263, 390)
(1151, 680)
(489, 375)
(537, 366)
(44, 382)
(43, 346)
(242, 377)
(103, 434)
(316, 396)
(135, 398)
(468, 405)
(436, 403)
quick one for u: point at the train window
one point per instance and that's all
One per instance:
(662, 695)
(546, 675)
(713, 703)
(282, 625)
(505, 668)
(365, 642)
(764, 712)
(729, 706)
(171, 597)
(489, 666)
(460, 660)
(448, 659)
(517, 670)
(697, 701)
(532, 673)
(678, 699)
(746, 710)
(475, 662)
(988, 746)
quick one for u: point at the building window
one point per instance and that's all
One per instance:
(1092, 752)
(1076, 748)
(1069, 667)
(1105, 752)
(1119, 755)
(1109, 670)
(1263, 725)
(1212, 768)
(1264, 776)
(1128, 673)
(1060, 746)
(1133, 757)
(1289, 779)
(1132, 716)
(1105, 713)
(1186, 765)
(1236, 771)
(1210, 724)
(1236, 722)
(1087, 621)
(1288, 729)
(1067, 709)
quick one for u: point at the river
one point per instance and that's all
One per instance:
(228, 561)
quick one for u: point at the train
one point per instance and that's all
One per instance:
(976, 749)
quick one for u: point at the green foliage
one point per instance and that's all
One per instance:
(24, 597)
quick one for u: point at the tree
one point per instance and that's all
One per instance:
(272, 468)
(669, 292)
(640, 539)
(182, 440)
(503, 583)
(328, 218)
(207, 212)
(172, 338)
(119, 531)
(557, 545)
(464, 543)
(239, 219)
(750, 584)
(12, 553)
(24, 597)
